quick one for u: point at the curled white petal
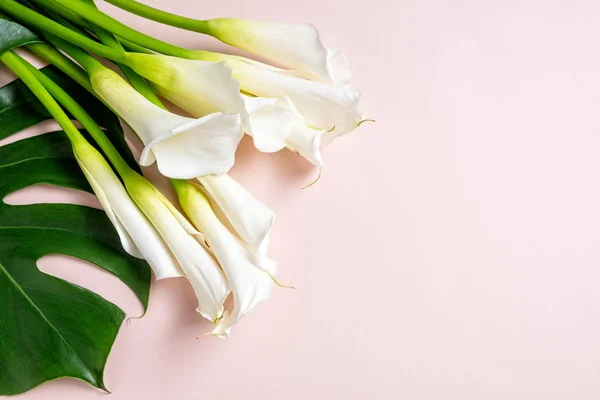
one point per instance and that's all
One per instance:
(198, 87)
(182, 147)
(277, 124)
(198, 147)
(270, 119)
(251, 219)
(295, 46)
(203, 273)
(323, 106)
(339, 67)
(138, 235)
(306, 142)
(250, 284)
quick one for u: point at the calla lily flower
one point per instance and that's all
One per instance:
(249, 218)
(323, 106)
(182, 147)
(198, 87)
(276, 124)
(250, 283)
(187, 245)
(138, 236)
(293, 46)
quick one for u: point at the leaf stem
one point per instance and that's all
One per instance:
(15, 64)
(161, 16)
(31, 17)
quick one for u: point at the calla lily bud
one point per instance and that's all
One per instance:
(138, 236)
(250, 283)
(198, 87)
(251, 219)
(186, 243)
(182, 147)
(297, 47)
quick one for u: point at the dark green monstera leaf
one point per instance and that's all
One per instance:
(14, 35)
(50, 328)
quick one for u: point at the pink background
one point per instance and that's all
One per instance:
(450, 251)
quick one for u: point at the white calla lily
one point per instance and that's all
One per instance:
(182, 147)
(138, 236)
(323, 106)
(250, 283)
(198, 87)
(295, 46)
(249, 218)
(187, 245)
(277, 124)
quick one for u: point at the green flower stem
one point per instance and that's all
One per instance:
(132, 47)
(81, 115)
(68, 19)
(161, 16)
(137, 81)
(63, 63)
(55, 57)
(99, 18)
(33, 18)
(68, 47)
(78, 74)
(67, 23)
(16, 65)
(89, 63)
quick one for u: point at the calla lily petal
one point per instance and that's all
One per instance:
(182, 147)
(183, 221)
(180, 153)
(277, 124)
(297, 47)
(200, 268)
(251, 219)
(250, 284)
(306, 141)
(270, 119)
(324, 106)
(198, 87)
(138, 235)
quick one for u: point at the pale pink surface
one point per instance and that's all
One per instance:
(450, 251)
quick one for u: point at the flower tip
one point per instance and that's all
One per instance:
(315, 181)
(365, 120)
(275, 281)
(217, 332)
(212, 334)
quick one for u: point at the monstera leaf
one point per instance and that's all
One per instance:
(14, 35)
(50, 328)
